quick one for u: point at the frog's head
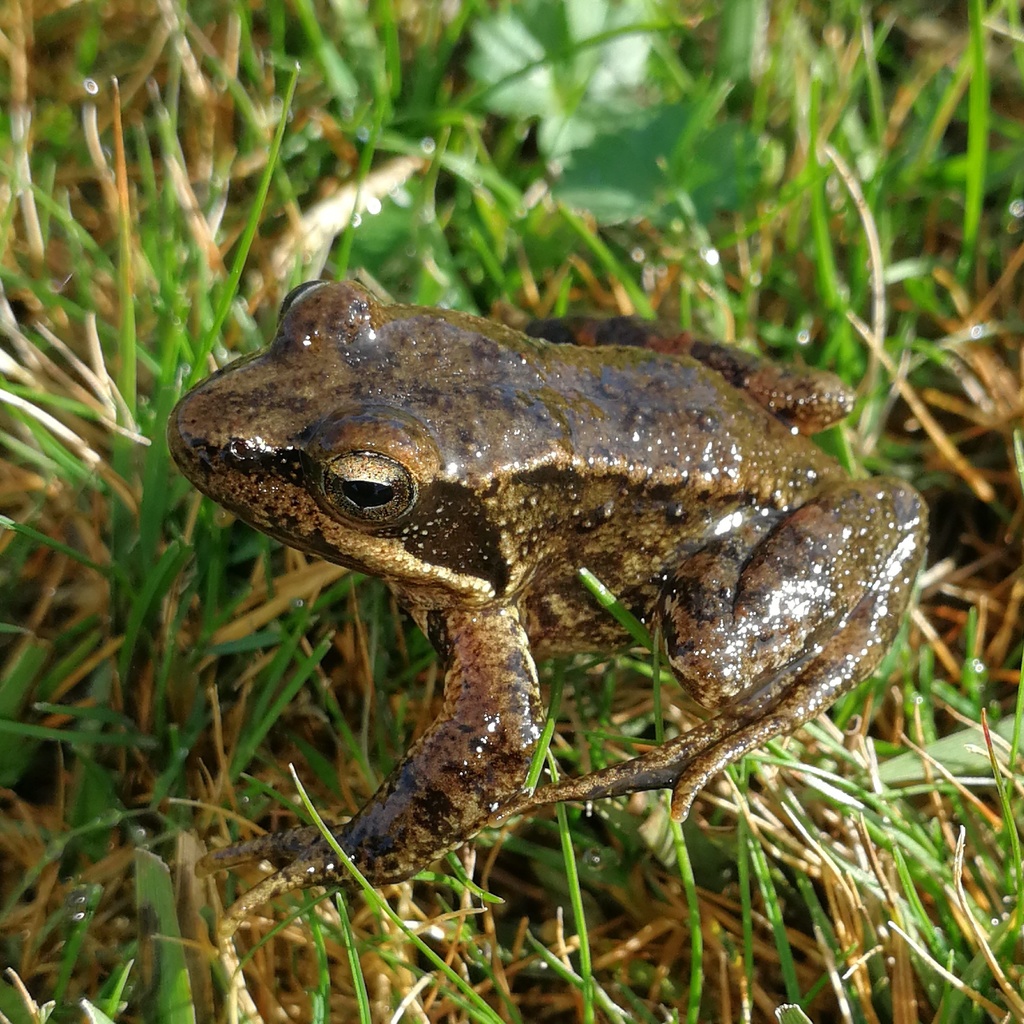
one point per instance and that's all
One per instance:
(351, 438)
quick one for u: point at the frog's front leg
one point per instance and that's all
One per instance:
(769, 625)
(472, 761)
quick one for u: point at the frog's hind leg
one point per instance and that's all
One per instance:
(686, 763)
(746, 635)
(810, 613)
(850, 656)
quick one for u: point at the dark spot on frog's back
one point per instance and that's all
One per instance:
(450, 527)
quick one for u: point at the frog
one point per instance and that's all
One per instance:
(477, 469)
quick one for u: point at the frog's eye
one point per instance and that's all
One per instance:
(368, 486)
(296, 293)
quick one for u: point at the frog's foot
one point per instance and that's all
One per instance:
(303, 857)
(313, 866)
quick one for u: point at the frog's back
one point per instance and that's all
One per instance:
(672, 421)
(616, 459)
(665, 426)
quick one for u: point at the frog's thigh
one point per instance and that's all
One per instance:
(816, 608)
(866, 541)
(741, 619)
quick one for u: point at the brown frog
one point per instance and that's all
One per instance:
(477, 469)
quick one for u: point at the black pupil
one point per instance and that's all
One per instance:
(367, 493)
